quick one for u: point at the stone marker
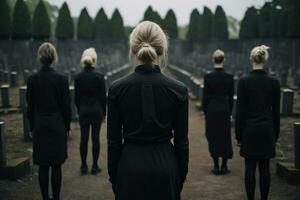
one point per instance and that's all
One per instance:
(73, 107)
(5, 76)
(22, 96)
(297, 144)
(5, 96)
(287, 101)
(2, 145)
(13, 79)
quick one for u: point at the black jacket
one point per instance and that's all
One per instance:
(258, 114)
(90, 95)
(147, 107)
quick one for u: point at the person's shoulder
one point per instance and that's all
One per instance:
(275, 81)
(178, 87)
(119, 83)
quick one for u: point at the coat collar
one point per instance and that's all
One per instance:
(147, 68)
(219, 69)
(89, 68)
(47, 68)
(258, 71)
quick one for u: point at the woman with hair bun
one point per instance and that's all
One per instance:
(258, 121)
(90, 100)
(146, 110)
(217, 106)
(49, 113)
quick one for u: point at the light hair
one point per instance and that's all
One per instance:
(47, 54)
(148, 43)
(89, 57)
(260, 54)
(218, 56)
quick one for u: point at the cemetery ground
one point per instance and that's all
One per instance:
(201, 184)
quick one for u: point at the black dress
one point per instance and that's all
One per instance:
(49, 113)
(90, 96)
(145, 111)
(258, 115)
(217, 106)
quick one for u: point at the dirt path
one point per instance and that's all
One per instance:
(201, 184)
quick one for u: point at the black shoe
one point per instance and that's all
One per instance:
(84, 169)
(224, 171)
(215, 171)
(95, 169)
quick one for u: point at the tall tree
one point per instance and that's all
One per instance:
(153, 16)
(21, 21)
(193, 33)
(5, 20)
(220, 26)
(207, 21)
(102, 25)
(283, 21)
(249, 24)
(148, 15)
(170, 24)
(265, 21)
(293, 18)
(117, 26)
(65, 23)
(274, 21)
(41, 22)
(85, 29)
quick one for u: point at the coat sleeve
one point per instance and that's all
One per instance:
(114, 138)
(240, 110)
(76, 94)
(103, 98)
(181, 142)
(231, 94)
(30, 103)
(276, 109)
(66, 103)
(204, 96)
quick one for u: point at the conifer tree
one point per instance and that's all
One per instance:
(193, 33)
(65, 23)
(117, 26)
(220, 26)
(102, 25)
(207, 21)
(85, 29)
(41, 22)
(170, 24)
(249, 24)
(5, 20)
(21, 21)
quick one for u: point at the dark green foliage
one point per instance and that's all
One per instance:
(283, 21)
(265, 21)
(274, 22)
(148, 15)
(21, 21)
(117, 26)
(102, 26)
(249, 24)
(206, 25)
(85, 29)
(153, 16)
(170, 24)
(220, 26)
(293, 18)
(193, 33)
(65, 24)
(5, 20)
(41, 22)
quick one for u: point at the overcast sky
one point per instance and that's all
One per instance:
(133, 10)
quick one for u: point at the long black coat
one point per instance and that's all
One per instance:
(258, 115)
(90, 96)
(217, 106)
(49, 113)
(145, 111)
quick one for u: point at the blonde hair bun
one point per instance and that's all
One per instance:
(148, 42)
(89, 57)
(218, 56)
(260, 54)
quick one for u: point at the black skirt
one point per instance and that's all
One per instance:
(148, 172)
(49, 139)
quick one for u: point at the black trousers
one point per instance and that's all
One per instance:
(55, 180)
(85, 132)
(264, 177)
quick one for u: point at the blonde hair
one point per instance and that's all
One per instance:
(47, 54)
(260, 54)
(89, 57)
(218, 56)
(148, 42)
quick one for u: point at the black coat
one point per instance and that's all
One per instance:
(258, 115)
(90, 96)
(217, 106)
(145, 111)
(49, 113)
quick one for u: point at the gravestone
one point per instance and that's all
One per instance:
(22, 96)
(5, 96)
(297, 144)
(2, 145)
(73, 106)
(287, 101)
(5, 76)
(13, 79)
